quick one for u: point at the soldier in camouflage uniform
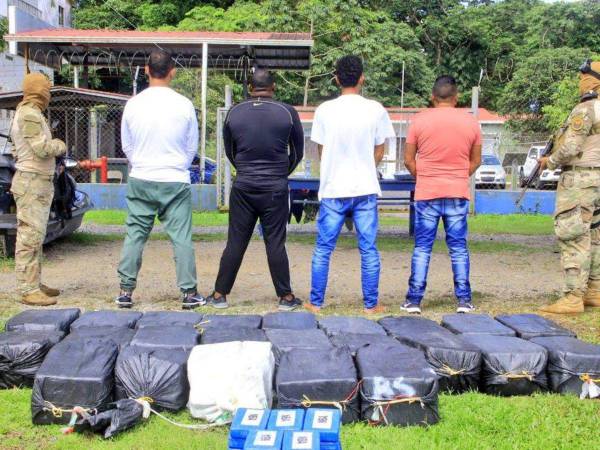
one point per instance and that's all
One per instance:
(32, 187)
(577, 215)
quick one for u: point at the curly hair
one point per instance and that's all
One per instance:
(348, 70)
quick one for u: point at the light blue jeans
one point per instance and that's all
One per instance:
(453, 212)
(332, 214)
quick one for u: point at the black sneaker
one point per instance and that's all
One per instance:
(219, 303)
(289, 305)
(465, 306)
(124, 300)
(411, 308)
(191, 301)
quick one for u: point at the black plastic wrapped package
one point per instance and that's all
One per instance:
(289, 321)
(319, 378)
(112, 419)
(570, 363)
(333, 325)
(528, 326)
(220, 335)
(22, 354)
(170, 338)
(456, 361)
(475, 324)
(230, 321)
(75, 373)
(169, 319)
(511, 366)
(354, 341)
(43, 320)
(107, 318)
(285, 340)
(157, 374)
(398, 386)
(118, 335)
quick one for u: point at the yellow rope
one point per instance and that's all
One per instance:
(515, 376)
(397, 401)
(586, 378)
(198, 326)
(450, 371)
(308, 403)
(58, 412)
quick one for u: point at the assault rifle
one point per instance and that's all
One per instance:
(535, 173)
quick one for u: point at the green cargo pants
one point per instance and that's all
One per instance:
(172, 204)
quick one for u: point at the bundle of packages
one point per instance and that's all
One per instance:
(118, 335)
(116, 319)
(245, 422)
(333, 325)
(75, 373)
(169, 319)
(228, 376)
(457, 362)
(289, 321)
(475, 324)
(573, 365)
(285, 340)
(111, 419)
(169, 338)
(229, 321)
(327, 424)
(43, 320)
(353, 342)
(303, 440)
(157, 374)
(528, 326)
(219, 335)
(398, 386)
(264, 440)
(319, 378)
(511, 366)
(22, 353)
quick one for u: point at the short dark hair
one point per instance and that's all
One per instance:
(262, 79)
(348, 70)
(445, 87)
(160, 63)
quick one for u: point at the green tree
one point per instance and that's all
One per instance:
(562, 101)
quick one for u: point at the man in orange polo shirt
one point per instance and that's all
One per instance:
(443, 149)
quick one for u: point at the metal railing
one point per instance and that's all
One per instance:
(26, 7)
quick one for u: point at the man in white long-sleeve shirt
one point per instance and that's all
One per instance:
(159, 134)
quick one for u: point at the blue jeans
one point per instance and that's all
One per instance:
(453, 212)
(332, 213)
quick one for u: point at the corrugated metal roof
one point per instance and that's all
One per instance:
(9, 100)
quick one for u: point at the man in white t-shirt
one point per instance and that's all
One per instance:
(350, 132)
(159, 134)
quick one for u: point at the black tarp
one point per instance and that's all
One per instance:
(314, 376)
(285, 340)
(289, 321)
(170, 338)
(352, 325)
(475, 324)
(168, 319)
(230, 321)
(569, 359)
(112, 419)
(107, 318)
(158, 374)
(354, 341)
(118, 335)
(76, 373)
(43, 320)
(528, 326)
(22, 354)
(220, 335)
(457, 362)
(511, 366)
(398, 386)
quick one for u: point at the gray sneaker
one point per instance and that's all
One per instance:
(218, 303)
(191, 301)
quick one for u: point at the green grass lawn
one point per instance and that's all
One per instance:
(468, 421)
(118, 217)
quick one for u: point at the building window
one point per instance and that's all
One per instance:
(61, 16)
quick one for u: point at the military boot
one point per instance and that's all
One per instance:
(569, 304)
(50, 292)
(592, 298)
(37, 298)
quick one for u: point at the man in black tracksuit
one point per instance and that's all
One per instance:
(264, 140)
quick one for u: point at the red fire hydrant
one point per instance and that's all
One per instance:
(101, 164)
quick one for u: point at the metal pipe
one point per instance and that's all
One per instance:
(203, 109)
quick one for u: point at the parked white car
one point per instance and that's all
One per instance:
(490, 174)
(547, 179)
